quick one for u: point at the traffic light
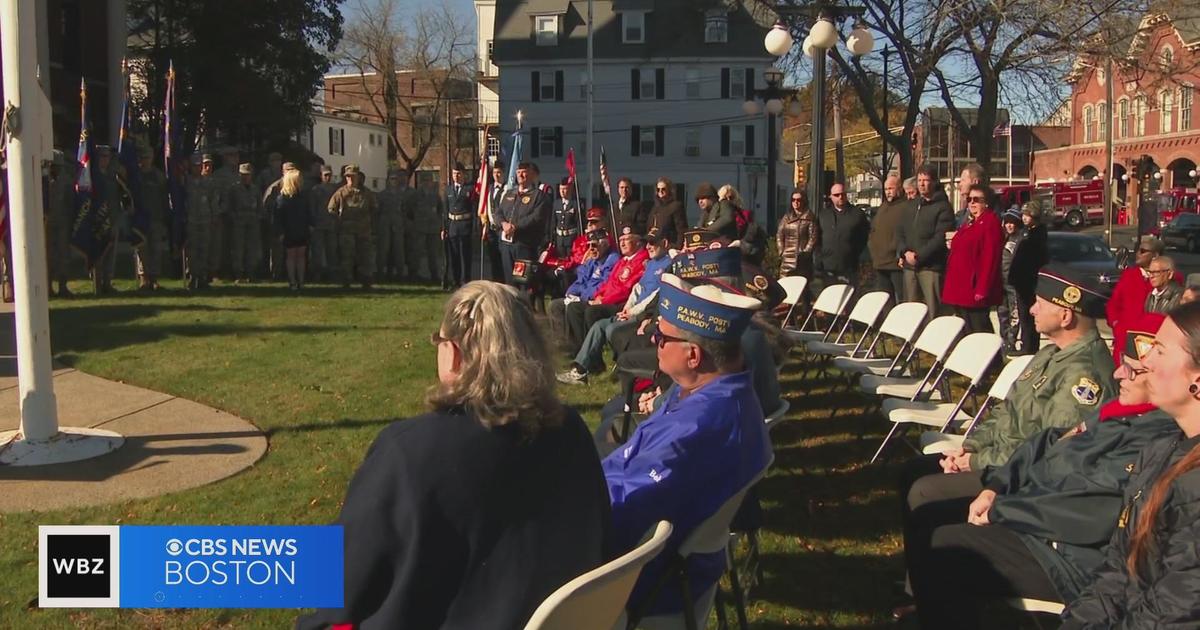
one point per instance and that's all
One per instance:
(799, 176)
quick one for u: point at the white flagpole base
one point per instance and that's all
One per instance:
(70, 444)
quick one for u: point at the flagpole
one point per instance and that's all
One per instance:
(607, 179)
(578, 203)
(39, 440)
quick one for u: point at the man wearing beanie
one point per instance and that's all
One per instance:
(715, 215)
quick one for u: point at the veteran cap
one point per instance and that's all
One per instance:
(708, 263)
(245, 169)
(699, 238)
(1071, 290)
(705, 310)
(597, 235)
(629, 230)
(595, 214)
(757, 284)
(1139, 337)
(351, 169)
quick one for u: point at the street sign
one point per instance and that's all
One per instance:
(754, 161)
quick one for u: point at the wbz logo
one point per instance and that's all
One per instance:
(77, 566)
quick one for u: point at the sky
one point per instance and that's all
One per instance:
(465, 8)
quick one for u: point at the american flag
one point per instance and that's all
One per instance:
(483, 187)
(1003, 129)
(604, 181)
(571, 165)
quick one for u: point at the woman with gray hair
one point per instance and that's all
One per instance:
(470, 515)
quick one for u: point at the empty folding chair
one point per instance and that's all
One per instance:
(866, 312)
(941, 441)
(832, 302)
(776, 416)
(935, 340)
(793, 289)
(970, 358)
(596, 600)
(901, 324)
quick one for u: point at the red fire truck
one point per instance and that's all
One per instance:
(1064, 204)
(1171, 203)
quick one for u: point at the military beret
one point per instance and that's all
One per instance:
(245, 169)
(1139, 337)
(595, 214)
(708, 263)
(1069, 289)
(705, 310)
(706, 190)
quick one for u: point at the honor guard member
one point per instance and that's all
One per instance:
(425, 246)
(702, 446)
(322, 248)
(202, 204)
(221, 246)
(352, 207)
(220, 212)
(457, 222)
(246, 216)
(564, 222)
(492, 242)
(105, 267)
(60, 219)
(154, 199)
(524, 211)
(271, 173)
(389, 232)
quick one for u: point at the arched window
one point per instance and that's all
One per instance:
(1139, 115)
(1166, 110)
(1123, 118)
(1102, 117)
(1089, 124)
(1166, 57)
(1185, 107)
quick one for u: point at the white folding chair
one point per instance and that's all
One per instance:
(776, 416)
(942, 441)
(971, 358)
(866, 312)
(596, 600)
(832, 302)
(710, 536)
(901, 324)
(1036, 606)
(793, 294)
(935, 340)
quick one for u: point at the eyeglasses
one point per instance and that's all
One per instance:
(976, 199)
(661, 339)
(1133, 372)
(797, 199)
(837, 194)
(437, 339)
(660, 190)
(1157, 270)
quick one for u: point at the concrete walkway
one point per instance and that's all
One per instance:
(171, 444)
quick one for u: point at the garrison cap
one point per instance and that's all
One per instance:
(708, 263)
(1071, 290)
(1139, 337)
(705, 310)
(245, 169)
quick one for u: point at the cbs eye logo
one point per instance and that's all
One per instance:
(78, 566)
(174, 547)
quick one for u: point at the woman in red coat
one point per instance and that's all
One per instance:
(972, 284)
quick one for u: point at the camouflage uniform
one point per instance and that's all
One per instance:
(149, 255)
(390, 231)
(322, 247)
(106, 266)
(423, 234)
(353, 208)
(203, 203)
(268, 180)
(245, 218)
(60, 220)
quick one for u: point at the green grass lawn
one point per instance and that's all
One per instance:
(323, 373)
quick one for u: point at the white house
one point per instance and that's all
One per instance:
(341, 140)
(671, 78)
(487, 75)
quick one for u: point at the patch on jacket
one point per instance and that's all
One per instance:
(1086, 392)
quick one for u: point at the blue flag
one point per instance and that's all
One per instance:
(127, 154)
(92, 232)
(514, 159)
(174, 164)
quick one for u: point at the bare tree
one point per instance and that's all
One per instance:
(392, 52)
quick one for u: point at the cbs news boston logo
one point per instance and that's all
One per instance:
(92, 566)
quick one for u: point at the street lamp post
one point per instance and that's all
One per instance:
(772, 97)
(884, 164)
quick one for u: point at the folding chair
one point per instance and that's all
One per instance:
(901, 324)
(596, 600)
(1036, 606)
(776, 416)
(793, 288)
(866, 312)
(937, 338)
(710, 536)
(971, 358)
(941, 441)
(832, 301)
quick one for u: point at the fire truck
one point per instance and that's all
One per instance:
(1064, 204)
(1171, 203)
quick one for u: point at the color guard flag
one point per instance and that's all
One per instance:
(92, 232)
(571, 165)
(174, 163)
(483, 187)
(127, 153)
(604, 173)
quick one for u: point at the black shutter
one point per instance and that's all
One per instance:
(342, 143)
(558, 142)
(635, 83)
(724, 140)
(750, 140)
(558, 85)
(679, 190)
(660, 83)
(749, 82)
(635, 138)
(724, 82)
(331, 147)
(659, 137)
(621, 25)
(536, 82)
(536, 143)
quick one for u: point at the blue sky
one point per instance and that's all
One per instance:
(465, 8)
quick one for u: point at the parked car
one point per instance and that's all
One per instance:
(1183, 232)
(1084, 253)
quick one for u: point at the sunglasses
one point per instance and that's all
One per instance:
(797, 199)
(1145, 251)
(661, 339)
(976, 199)
(660, 190)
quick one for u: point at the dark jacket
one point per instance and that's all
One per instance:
(528, 211)
(634, 213)
(882, 241)
(1032, 254)
(754, 243)
(293, 218)
(923, 230)
(1167, 591)
(1059, 493)
(841, 238)
(449, 524)
(671, 219)
(459, 215)
(720, 218)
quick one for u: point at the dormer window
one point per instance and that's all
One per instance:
(716, 27)
(546, 30)
(633, 27)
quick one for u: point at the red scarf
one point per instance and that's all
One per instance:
(1114, 409)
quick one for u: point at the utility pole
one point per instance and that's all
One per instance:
(1109, 181)
(591, 82)
(884, 164)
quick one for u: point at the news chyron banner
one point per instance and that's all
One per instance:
(133, 566)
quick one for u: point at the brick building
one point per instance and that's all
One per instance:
(940, 142)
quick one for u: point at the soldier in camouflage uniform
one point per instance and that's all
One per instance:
(390, 229)
(60, 220)
(268, 180)
(220, 246)
(203, 203)
(322, 248)
(424, 244)
(245, 217)
(148, 255)
(353, 208)
(106, 266)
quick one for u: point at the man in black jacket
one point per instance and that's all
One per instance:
(629, 210)
(921, 241)
(524, 211)
(842, 238)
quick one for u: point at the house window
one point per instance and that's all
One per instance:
(633, 27)
(1185, 108)
(422, 125)
(490, 48)
(737, 84)
(1166, 110)
(493, 146)
(1123, 118)
(1089, 124)
(1102, 117)
(1139, 115)
(547, 141)
(583, 85)
(547, 92)
(691, 142)
(648, 86)
(1166, 58)
(464, 131)
(646, 144)
(337, 141)
(716, 27)
(546, 30)
(693, 83)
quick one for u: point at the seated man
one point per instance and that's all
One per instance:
(597, 265)
(1164, 292)
(1064, 383)
(704, 444)
(643, 294)
(616, 288)
(561, 265)
(1038, 527)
